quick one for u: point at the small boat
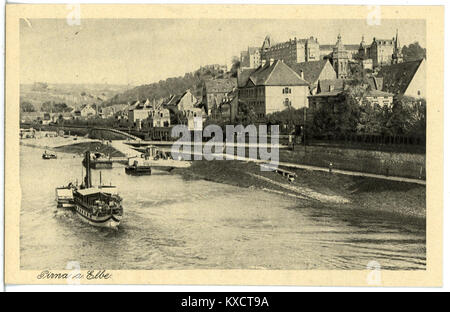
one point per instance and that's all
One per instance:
(138, 169)
(48, 155)
(64, 196)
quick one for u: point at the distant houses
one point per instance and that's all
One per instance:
(88, 111)
(330, 93)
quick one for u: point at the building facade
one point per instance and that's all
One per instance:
(274, 87)
(251, 58)
(214, 91)
(292, 51)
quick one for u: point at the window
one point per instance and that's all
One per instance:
(286, 90)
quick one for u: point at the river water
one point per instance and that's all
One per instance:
(171, 223)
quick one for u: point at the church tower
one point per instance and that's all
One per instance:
(340, 58)
(397, 56)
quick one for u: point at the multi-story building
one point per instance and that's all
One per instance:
(274, 87)
(251, 58)
(380, 52)
(214, 91)
(292, 51)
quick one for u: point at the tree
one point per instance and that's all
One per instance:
(47, 107)
(413, 52)
(235, 67)
(247, 115)
(27, 107)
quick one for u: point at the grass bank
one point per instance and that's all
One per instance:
(79, 148)
(364, 195)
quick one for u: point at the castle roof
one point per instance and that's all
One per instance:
(397, 77)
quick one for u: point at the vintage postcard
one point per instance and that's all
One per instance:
(224, 145)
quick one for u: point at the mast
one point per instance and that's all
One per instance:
(87, 179)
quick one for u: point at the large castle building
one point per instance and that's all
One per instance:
(292, 51)
(381, 51)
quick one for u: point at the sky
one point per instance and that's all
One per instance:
(143, 51)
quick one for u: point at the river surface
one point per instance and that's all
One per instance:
(171, 223)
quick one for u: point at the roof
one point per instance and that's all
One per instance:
(311, 70)
(324, 85)
(95, 190)
(378, 93)
(346, 46)
(376, 83)
(351, 46)
(327, 93)
(220, 85)
(252, 50)
(88, 191)
(397, 77)
(276, 74)
(243, 76)
(326, 46)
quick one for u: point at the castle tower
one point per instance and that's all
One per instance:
(362, 49)
(340, 58)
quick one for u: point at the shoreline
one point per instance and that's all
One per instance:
(361, 194)
(71, 146)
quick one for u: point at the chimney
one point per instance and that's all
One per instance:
(271, 61)
(263, 63)
(301, 75)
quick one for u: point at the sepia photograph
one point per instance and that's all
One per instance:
(203, 142)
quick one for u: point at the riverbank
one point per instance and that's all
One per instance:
(69, 145)
(364, 195)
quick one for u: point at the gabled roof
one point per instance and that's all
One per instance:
(311, 70)
(220, 85)
(243, 76)
(276, 74)
(397, 77)
(336, 84)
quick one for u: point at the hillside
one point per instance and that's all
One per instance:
(73, 95)
(170, 86)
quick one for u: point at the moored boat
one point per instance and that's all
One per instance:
(46, 155)
(138, 169)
